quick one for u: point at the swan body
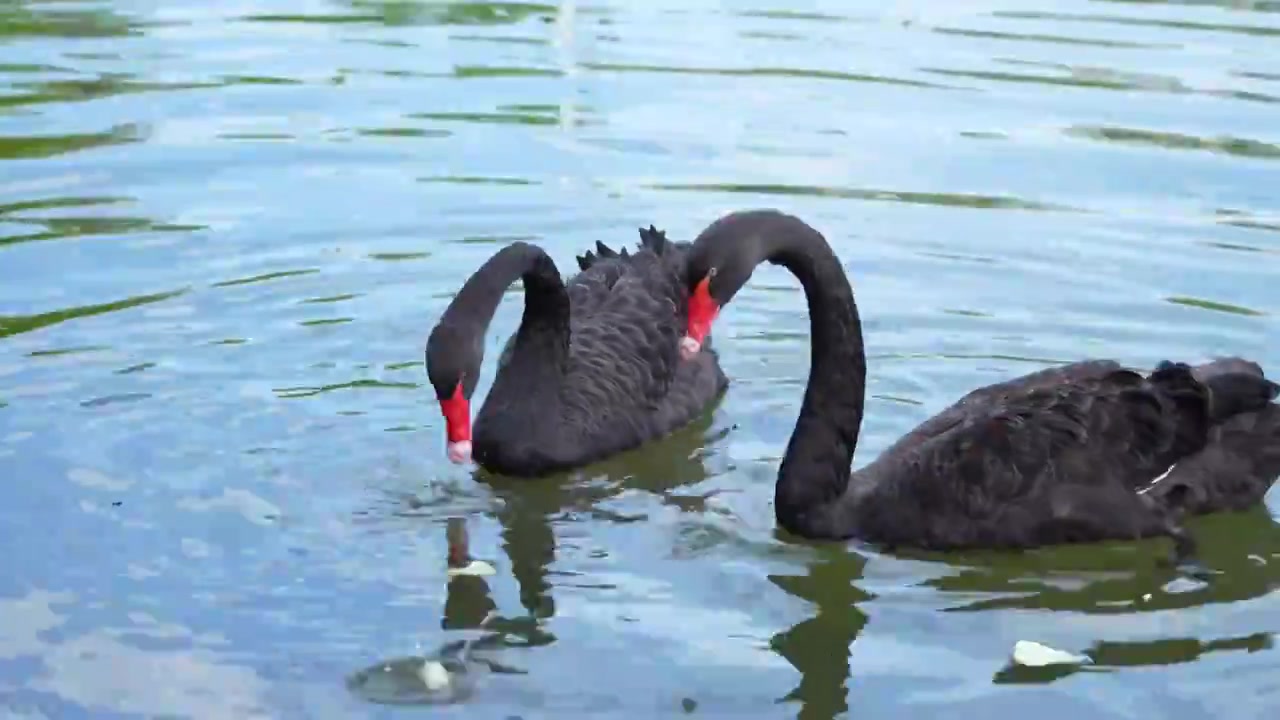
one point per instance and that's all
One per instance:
(1084, 452)
(593, 370)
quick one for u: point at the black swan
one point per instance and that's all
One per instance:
(1084, 452)
(593, 370)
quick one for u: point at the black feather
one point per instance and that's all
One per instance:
(597, 377)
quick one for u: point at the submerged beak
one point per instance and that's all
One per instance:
(459, 452)
(457, 421)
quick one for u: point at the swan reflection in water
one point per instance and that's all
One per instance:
(1109, 596)
(525, 512)
(1061, 583)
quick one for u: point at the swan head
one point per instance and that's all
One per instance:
(453, 364)
(721, 261)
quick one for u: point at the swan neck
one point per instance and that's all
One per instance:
(815, 470)
(542, 340)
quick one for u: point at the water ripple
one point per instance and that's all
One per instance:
(1242, 147)
(988, 202)
(227, 229)
(1251, 30)
(770, 72)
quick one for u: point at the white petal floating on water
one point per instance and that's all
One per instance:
(435, 676)
(1033, 654)
(477, 567)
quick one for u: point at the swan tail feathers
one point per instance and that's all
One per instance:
(1233, 393)
(1234, 472)
(653, 239)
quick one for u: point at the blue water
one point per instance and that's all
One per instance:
(226, 229)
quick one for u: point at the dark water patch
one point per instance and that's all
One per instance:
(465, 72)
(31, 20)
(963, 200)
(1214, 306)
(76, 350)
(460, 13)
(310, 391)
(897, 399)
(409, 365)
(1106, 656)
(488, 118)
(543, 108)
(983, 135)
(54, 228)
(1094, 78)
(1237, 218)
(111, 56)
(971, 356)
(1257, 75)
(1252, 224)
(33, 68)
(1105, 79)
(1050, 39)
(229, 341)
(140, 367)
(771, 35)
(381, 42)
(784, 336)
(16, 324)
(326, 321)
(1245, 95)
(259, 80)
(775, 72)
(1173, 651)
(399, 256)
(329, 298)
(497, 239)
(265, 277)
(979, 259)
(62, 202)
(28, 147)
(177, 227)
(477, 180)
(795, 15)
(257, 136)
(314, 18)
(1261, 6)
(1239, 247)
(1255, 30)
(394, 73)
(502, 39)
(84, 90)
(403, 132)
(397, 13)
(114, 399)
(1228, 145)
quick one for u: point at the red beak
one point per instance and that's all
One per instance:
(703, 310)
(457, 422)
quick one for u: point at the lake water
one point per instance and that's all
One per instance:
(226, 229)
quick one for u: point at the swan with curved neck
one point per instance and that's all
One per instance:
(593, 370)
(1083, 452)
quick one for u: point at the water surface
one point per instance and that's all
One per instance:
(226, 228)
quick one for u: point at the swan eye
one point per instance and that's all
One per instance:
(711, 273)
